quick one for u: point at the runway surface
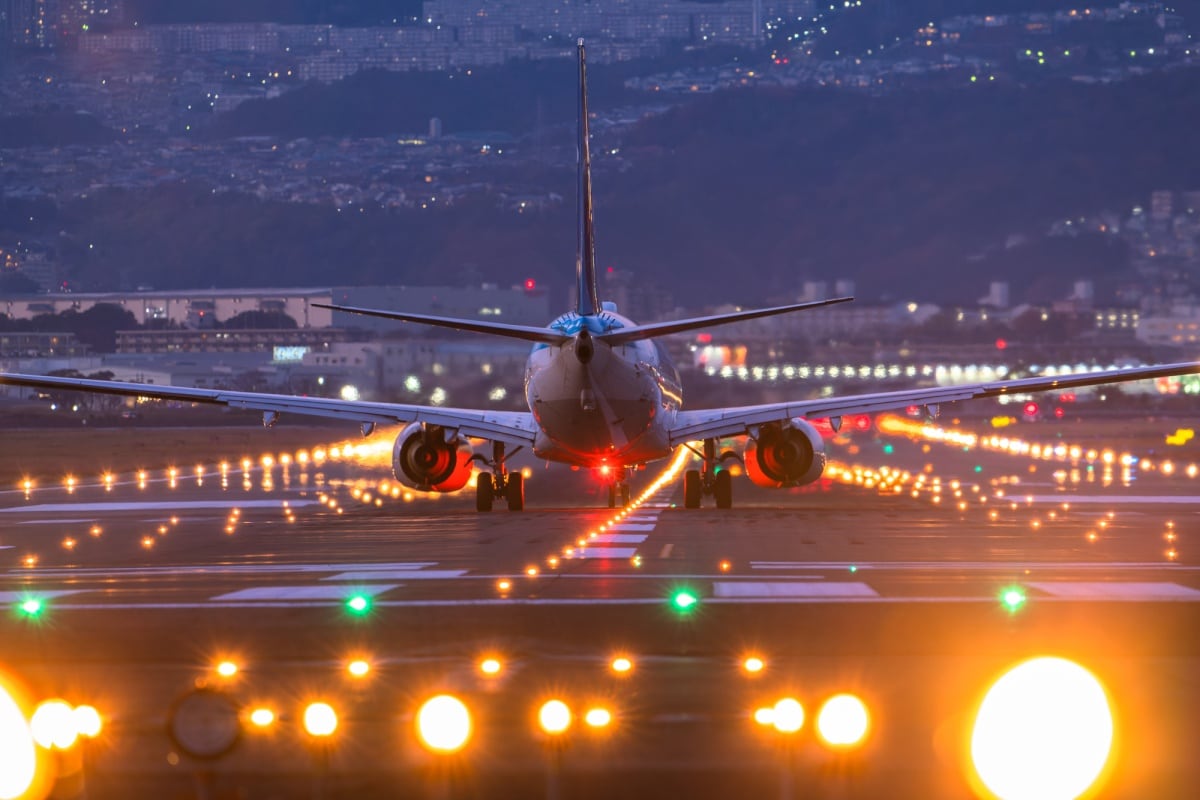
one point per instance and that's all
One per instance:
(887, 579)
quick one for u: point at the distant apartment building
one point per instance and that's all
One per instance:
(34, 344)
(285, 344)
(1178, 328)
(189, 308)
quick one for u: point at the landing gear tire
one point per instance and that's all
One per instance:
(514, 491)
(723, 489)
(484, 491)
(624, 495)
(612, 495)
(692, 489)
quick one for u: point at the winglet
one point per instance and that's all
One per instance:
(588, 297)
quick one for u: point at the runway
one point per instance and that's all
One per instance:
(893, 578)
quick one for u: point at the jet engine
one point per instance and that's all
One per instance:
(429, 458)
(785, 454)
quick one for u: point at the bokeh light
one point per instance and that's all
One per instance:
(1044, 731)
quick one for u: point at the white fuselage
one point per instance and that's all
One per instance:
(616, 409)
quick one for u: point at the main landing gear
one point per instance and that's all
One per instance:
(499, 484)
(709, 480)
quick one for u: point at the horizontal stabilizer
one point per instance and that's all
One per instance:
(637, 333)
(525, 332)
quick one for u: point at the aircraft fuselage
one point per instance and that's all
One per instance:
(610, 406)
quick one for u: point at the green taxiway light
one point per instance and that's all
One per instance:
(684, 600)
(1012, 598)
(359, 604)
(32, 607)
(887, 448)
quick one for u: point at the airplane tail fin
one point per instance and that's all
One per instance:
(587, 295)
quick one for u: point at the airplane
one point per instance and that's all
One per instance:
(603, 395)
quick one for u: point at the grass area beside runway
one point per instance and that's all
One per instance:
(48, 455)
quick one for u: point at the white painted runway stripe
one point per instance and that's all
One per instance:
(1104, 566)
(617, 538)
(1112, 499)
(303, 592)
(398, 575)
(218, 569)
(17, 597)
(620, 526)
(541, 601)
(173, 505)
(1117, 590)
(782, 589)
(605, 552)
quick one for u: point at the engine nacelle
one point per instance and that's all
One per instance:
(785, 454)
(424, 458)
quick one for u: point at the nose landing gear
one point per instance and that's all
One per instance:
(499, 484)
(618, 492)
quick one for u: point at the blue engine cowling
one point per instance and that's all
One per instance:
(785, 454)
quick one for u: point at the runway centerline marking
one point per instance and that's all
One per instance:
(605, 552)
(617, 538)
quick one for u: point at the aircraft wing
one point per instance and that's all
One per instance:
(503, 426)
(738, 421)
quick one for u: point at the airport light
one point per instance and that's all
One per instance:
(621, 665)
(764, 715)
(598, 717)
(554, 717)
(53, 725)
(1044, 730)
(87, 721)
(18, 757)
(753, 665)
(227, 669)
(262, 717)
(843, 721)
(358, 604)
(490, 666)
(444, 724)
(320, 720)
(358, 668)
(1013, 598)
(788, 715)
(684, 600)
(32, 607)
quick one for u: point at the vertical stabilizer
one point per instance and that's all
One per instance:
(587, 298)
